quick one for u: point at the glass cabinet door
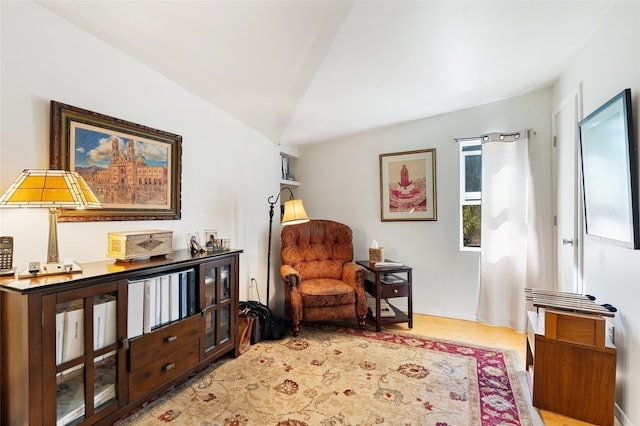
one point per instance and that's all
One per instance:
(217, 305)
(105, 351)
(70, 366)
(84, 340)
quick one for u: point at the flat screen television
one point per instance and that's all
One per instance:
(610, 173)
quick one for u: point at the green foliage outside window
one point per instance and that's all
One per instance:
(471, 225)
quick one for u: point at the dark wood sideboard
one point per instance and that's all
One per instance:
(90, 347)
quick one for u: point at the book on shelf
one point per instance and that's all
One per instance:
(192, 301)
(388, 264)
(59, 335)
(73, 332)
(105, 380)
(104, 394)
(284, 160)
(111, 323)
(174, 297)
(135, 308)
(164, 284)
(159, 300)
(151, 314)
(70, 399)
(157, 292)
(69, 331)
(99, 316)
(183, 294)
(104, 321)
(70, 396)
(392, 279)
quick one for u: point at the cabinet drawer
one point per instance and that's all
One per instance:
(163, 369)
(148, 348)
(394, 290)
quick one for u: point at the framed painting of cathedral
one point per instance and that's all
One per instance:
(408, 186)
(134, 170)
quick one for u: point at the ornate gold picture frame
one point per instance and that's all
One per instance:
(134, 170)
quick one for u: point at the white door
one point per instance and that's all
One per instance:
(568, 198)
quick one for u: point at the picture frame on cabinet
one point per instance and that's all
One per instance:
(193, 242)
(408, 186)
(210, 239)
(134, 170)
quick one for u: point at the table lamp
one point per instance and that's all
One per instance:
(52, 189)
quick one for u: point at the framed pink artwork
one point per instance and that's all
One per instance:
(408, 185)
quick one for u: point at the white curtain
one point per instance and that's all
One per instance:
(507, 198)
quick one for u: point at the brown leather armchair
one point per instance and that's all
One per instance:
(321, 281)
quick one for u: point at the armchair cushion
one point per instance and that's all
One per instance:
(326, 292)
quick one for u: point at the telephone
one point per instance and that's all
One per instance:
(6, 255)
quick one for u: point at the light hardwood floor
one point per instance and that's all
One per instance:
(482, 335)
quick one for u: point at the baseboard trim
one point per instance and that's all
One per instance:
(621, 417)
(443, 314)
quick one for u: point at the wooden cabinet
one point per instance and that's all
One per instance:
(569, 376)
(68, 356)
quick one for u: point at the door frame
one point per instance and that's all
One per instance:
(575, 97)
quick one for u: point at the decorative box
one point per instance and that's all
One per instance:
(376, 255)
(131, 245)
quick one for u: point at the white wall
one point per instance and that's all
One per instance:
(224, 188)
(341, 181)
(609, 63)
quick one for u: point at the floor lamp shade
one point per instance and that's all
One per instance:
(51, 189)
(294, 213)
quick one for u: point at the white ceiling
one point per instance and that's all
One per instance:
(306, 71)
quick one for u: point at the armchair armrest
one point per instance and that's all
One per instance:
(290, 276)
(353, 274)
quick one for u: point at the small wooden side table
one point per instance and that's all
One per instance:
(387, 282)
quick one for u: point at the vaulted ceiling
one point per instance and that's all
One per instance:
(306, 71)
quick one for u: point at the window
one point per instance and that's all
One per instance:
(470, 193)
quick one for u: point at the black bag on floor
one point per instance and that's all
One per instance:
(277, 328)
(263, 321)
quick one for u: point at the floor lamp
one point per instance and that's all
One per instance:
(293, 214)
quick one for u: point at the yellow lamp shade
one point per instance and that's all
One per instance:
(52, 189)
(294, 213)
(49, 188)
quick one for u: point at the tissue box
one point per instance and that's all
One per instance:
(131, 245)
(376, 255)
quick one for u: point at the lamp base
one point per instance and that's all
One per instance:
(50, 269)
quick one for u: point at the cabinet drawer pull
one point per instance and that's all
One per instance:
(171, 339)
(169, 366)
(395, 290)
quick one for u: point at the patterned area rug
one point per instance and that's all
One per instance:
(342, 376)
